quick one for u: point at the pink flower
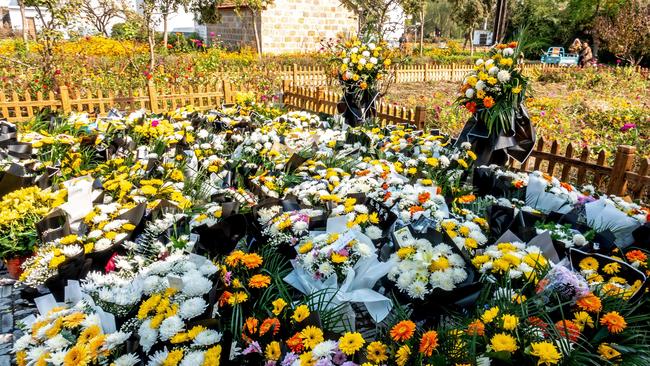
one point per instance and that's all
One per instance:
(155, 123)
(628, 126)
(110, 265)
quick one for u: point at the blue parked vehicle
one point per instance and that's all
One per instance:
(556, 56)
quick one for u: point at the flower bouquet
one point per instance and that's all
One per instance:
(494, 92)
(361, 65)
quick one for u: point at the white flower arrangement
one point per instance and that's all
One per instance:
(422, 267)
(331, 253)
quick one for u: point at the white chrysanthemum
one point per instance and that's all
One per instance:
(192, 308)
(507, 52)
(503, 76)
(71, 250)
(483, 361)
(196, 285)
(170, 327)
(300, 226)
(325, 268)
(158, 358)
(22, 342)
(90, 320)
(579, 240)
(35, 353)
(364, 250)
(493, 70)
(129, 359)
(480, 85)
(57, 342)
(150, 284)
(417, 290)
(207, 338)
(103, 244)
(479, 62)
(193, 359)
(57, 358)
(116, 339)
(95, 234)
(148, 335)
(469, 93)
(323, 349)
(373, 232)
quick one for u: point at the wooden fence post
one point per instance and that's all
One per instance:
(451, 75)
(153, 96)
(227, 91)
(320, 97)
(622, 164)
(426, 72)
(294, 75)
(420, 116)
(65, 99)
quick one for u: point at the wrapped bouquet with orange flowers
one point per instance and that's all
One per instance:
(494, 92)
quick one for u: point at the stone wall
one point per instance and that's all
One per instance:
(234, 29)
(300, 25)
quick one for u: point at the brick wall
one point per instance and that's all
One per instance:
(234, 29)
(299, 25)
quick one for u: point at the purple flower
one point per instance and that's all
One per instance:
(339, 357)
(542, 113)
(227, 277)
(211, 34)
(323, 362)
(270, 363)
(289, 359)
(253, 347)
(349, 363)
(628, 126)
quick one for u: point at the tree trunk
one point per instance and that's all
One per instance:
(23, 19)
(471, 42)
(165, 39)
(258, 44)
(422, 30)
(152, 54)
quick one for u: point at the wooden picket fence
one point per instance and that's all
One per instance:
(322, 76)
(320, 100)
(19, 108)
(626, 176)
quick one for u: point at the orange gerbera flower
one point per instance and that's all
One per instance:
(518, 183)
(488, 102)
(476, 328)
(468, 198)
(423, 197)
(295, 343)
(259, 281)
(251, 325)
(402, 331)
(252, 260)
(268, 324)
(415, 209)
(428, 343)
(568, 330)
(566, 186)
(636, 256)
(614, 322)
(223, 299)
(590, 303)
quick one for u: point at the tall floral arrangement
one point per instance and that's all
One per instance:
(495, 87)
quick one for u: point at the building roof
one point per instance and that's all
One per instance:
(229, 4)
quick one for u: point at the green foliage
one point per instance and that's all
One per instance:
(130, 30)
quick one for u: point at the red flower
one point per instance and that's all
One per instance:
(110, 265)
(471, 107)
